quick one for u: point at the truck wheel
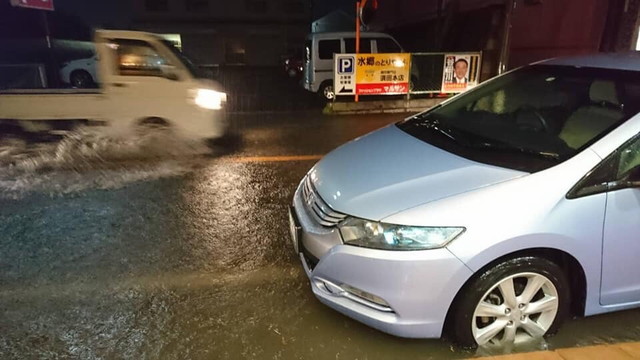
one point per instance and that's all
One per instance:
(81, 79)
(326, 91)
(152, 124)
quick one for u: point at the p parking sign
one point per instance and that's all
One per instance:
(346, 64)
(345, 73)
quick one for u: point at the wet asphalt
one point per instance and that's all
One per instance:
(152, 249)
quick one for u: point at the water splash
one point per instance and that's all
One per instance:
(90, 158)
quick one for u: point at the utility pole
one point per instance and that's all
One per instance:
(509, 7)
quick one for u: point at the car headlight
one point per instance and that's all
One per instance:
(210, 99)
(372, 234)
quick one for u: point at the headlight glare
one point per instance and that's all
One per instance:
(377, 235)
(210, 99)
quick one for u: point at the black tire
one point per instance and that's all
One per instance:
(152, 125)
(326, 91)
(81, 79)
(461, 319)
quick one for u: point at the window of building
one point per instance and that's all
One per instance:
(234, 52)
(156, 5)
(326, 48)
(197, 5)
(256, 6)
(293, 7)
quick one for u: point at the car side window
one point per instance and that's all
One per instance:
(629, 159)
(386, 45)
(138, 58)
(610, 174)
(350, 46)
(326, 49)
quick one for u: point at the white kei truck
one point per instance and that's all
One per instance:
(143, 79)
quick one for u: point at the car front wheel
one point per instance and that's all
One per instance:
(81, 79)
(326, 91)
(512, 303)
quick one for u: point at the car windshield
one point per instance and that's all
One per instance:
(184, 59)
(532, 118)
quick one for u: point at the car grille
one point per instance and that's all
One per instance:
(317, 208)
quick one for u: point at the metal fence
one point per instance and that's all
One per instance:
(252, 89)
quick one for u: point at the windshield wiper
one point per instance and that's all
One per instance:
(508, 147)
(435, 125)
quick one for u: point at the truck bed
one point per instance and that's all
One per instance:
(73, 91)
(52, 104)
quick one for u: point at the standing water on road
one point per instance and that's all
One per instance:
(91, 158)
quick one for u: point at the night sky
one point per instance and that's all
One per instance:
(94, 13)
(98, 13)
(323, 7)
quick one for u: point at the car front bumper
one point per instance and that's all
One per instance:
(403, 293)
(204, 124)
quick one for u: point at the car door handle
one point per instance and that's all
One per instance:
(120, 84)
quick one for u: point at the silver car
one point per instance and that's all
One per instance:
(491, 217)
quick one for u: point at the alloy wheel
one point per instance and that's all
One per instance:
(515, 310)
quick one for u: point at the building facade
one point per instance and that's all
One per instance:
(511, 33)
(221, 32)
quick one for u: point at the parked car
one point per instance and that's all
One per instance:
(80, 73)
(293, 66)
(319, 50)
(490, 218)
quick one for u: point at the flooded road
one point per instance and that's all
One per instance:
(150, 247)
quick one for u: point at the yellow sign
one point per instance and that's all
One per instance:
(382, 74)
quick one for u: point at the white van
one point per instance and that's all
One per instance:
(319, 50)
(142, 79)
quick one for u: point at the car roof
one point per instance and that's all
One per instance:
(620, 61)
(341, 34)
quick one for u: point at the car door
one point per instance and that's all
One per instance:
(141, 79)
(621, 235)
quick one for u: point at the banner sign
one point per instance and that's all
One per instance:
(461, 72)
(372, 74)
(34, 4)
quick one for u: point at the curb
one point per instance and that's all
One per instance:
(620, 351)
(380, 107)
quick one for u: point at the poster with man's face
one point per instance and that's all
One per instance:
(461, 72)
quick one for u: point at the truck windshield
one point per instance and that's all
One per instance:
(532, 118)
(194, 70)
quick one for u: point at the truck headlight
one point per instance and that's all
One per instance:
(376, 235)
(210, 99)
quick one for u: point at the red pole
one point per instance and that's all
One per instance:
(357, 42)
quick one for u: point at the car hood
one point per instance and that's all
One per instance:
(388, 171)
